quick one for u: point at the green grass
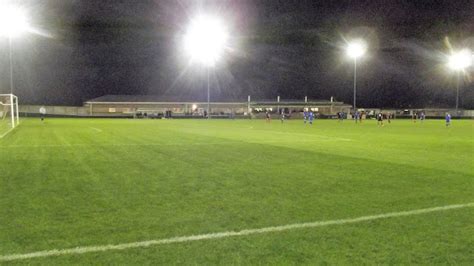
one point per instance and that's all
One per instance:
(82, 182)
(5, 125)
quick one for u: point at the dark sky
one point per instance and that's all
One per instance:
(90, 48)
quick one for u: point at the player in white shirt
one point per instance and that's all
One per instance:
(42, 111)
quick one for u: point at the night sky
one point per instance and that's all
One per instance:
(88, 48)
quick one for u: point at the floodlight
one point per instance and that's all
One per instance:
(12, 21)
(205, 39)
(460, 60)
(356, 49)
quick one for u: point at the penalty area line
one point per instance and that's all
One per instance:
(245, 232)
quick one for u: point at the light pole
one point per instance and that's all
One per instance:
(458, 62)
(12, 23)
(354, 50)
(205, 41)
(11, 63)
(355, 83)
(457, 90)
(208, 95)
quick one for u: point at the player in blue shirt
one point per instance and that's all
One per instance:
(311, 117)
(448, 119)
(305, 116)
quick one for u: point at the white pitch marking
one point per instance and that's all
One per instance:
(96, 129)
(89, 249)
(160, 144)
(308, 135)
(6, 133)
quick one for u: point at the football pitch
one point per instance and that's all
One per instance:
(123, 191)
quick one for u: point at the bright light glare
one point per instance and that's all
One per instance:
(205, 40)
(460, 60)
(12, 21)
(356, 49)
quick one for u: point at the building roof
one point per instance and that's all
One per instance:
(177, 99)
(140, 98)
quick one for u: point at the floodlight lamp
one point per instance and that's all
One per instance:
(460, 60)
(12, 21)
(356, 49)
(206, 39)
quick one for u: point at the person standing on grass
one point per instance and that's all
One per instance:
(380, 119)
(448, 119)
(282, 115)
(356, 116)
(305, 116)
(422, 117)
(311, 117)
(267, 117)
(42, 111)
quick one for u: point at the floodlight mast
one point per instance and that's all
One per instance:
(355, 49)
(11, 63)
(12, 23)
(205, 41)
(458, 62)
(457, 91)
(355, 83)
(208, 95)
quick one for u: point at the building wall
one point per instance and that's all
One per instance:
(128, 110)
(54, 110)
(175, 108)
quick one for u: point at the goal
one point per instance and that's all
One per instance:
(9, 116)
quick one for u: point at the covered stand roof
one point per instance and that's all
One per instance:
(154, 99)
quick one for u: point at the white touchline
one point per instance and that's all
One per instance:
(96, 129)
(88, 249)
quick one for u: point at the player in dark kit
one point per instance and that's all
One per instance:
(380, 119)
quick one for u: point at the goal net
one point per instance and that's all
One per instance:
(9, 117)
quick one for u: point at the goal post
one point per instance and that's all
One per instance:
(9, 113)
